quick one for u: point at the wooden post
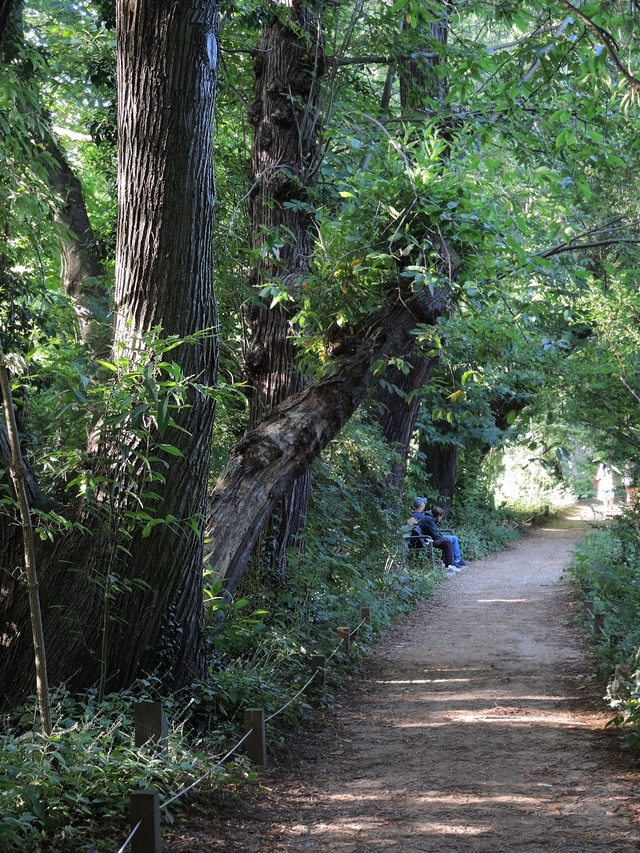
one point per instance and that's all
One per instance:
(256, 744)
(144, 806)
(17, 475)
(365, 615)
(151, 724)
(318, 663)
(588, 608)
(344, 634)
(598, 624)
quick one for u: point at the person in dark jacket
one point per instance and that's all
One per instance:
(438, 514)
(427, 523)
(424, 523)
(416, 540)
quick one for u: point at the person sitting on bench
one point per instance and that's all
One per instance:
(427, 523)
(415, 539)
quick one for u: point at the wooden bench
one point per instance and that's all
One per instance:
(419, 553)
(427, 551)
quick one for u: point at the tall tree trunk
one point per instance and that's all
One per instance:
(288, 64)
(5, 12)
(167, 59)
(441, 466)
(398, 417)
(420, 88)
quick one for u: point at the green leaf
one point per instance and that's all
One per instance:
(163, 415)
(171, 449)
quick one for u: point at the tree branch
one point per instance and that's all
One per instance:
(629, 389)
(375, 60)
(576, 247)
(609, 42)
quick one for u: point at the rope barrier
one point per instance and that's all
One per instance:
(131, 834)
(204, 776)
(337, 648)
(293, 698)
(359, 626)
(302, 689)
(237, 745)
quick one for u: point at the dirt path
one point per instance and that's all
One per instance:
(475, 728)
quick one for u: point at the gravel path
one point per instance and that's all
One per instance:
(474, 728)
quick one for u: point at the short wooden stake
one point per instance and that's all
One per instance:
(150, 724)
(344, 634)
(144, 807)
(598, 624)
(256, 743)
(318, 663)
(588, 608)
(365, 615)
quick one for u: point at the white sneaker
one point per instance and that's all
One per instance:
(453, 570)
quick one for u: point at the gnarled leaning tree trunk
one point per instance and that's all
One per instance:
(167, 59)
(264, 463)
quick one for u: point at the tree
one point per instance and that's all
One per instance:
(264, 463)
(288, 64)
(5, 12)
(422, 95)
(167, 62)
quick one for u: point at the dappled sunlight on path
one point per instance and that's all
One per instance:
(473, 730)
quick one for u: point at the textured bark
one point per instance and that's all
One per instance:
(284, 114)
(5, 12)
(83, 273)
(288, 64)
(441, 466)
(167, 60)
(398, 418)
(267, 460)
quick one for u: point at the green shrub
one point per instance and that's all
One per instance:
(59, 791)
(606, 569)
